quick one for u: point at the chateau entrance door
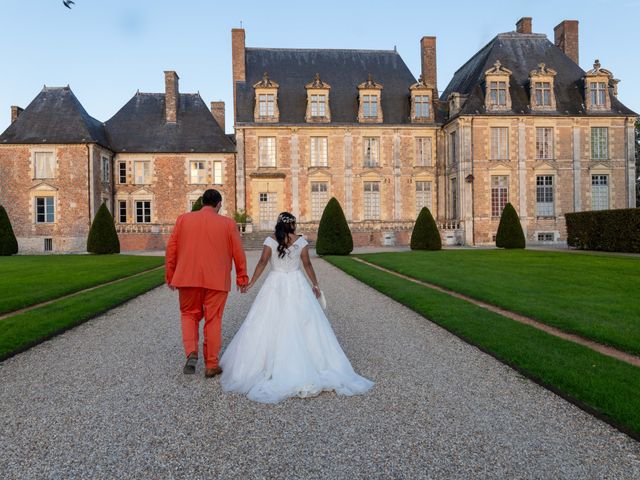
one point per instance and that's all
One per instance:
(267, 210)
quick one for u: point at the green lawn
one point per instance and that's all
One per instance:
(28, 280)
(21, 331)
(603, 385)
(594, 296)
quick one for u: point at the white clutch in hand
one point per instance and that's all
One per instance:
(322, 300)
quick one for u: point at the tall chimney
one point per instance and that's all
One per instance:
(217, 110)
(238, 58)
(428, 55)
(566, 38)
(524, 25)
(171, 96)
(15, 112)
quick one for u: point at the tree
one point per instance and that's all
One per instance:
(334, 235)
(510, 234)
(197, 205)
(103, 237)
(8, 242)
(425, 234)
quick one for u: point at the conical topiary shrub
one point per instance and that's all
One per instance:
(425, 235)
(334, 236)
(103, 237)
(197, 205)
(510, 234)
(8, 242)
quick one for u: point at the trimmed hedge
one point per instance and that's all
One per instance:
(8, 241)
(606, 230)
(510, 234)
(425, 234)
(197, 205)
(334, 235)
(103, 237)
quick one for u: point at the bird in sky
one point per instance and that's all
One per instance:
(68, 3)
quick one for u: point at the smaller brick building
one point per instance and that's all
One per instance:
(148, 164)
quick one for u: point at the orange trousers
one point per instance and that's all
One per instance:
(195, 303)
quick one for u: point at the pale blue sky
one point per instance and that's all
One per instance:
(107, 49)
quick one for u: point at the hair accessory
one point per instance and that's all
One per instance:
(284, 219)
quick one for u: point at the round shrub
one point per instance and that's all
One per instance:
(425, 235)
(8, 242)
(197, 205)
(510, 234)
(334, 235)
(103, 237)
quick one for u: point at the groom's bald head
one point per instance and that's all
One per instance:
(211, 197)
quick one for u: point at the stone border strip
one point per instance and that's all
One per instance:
(598, 347)
(69, 295)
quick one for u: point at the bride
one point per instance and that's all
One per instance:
(286, 346)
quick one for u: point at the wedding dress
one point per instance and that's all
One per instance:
(286, 346)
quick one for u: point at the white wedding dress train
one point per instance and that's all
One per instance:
(286, 346)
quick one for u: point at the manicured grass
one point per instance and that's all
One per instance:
(598, 383)
(594, 296)
(28, 280)
(21, 331)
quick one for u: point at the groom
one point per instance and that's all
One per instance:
(198, 264)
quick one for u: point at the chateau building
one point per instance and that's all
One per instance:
(519, 122)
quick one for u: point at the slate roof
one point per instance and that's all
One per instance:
(55, 116)
(343, 70)
(522, 53)
(140, 127)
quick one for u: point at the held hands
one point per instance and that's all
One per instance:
(316, 290)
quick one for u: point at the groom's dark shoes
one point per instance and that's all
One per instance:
(190, 366)
(212, 372)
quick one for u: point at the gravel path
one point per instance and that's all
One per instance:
(108, 400)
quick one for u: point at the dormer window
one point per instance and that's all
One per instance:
(318, 101)
(370, 109)
(596, 82)
(542, 96)
(497, 96)
(266, 109)
(421, 95)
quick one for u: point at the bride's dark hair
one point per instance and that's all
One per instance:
(285, 225)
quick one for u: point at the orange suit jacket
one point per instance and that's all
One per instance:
(200, 250)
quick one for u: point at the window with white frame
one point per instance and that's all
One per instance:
(44, 165)
(544, 143)
(599, 192)
(267, 151)
(266, 103)
(319, 151)
(122, 211)
(598, 93)
(122, 172)
(45, 209)
(142, 172)
(143, 211)
(543, 94)
(599, 143)
(498, 93)
(198, 172)
(544, 196)
(370, 106)
(546, 237)
(453, 148)
(423, 151)
(371, 152)
(318, 105)
(423, 196)
(372, 200)
(453, 198)
(499, 194)
(499, 143)
(319, 199)
(106, 170)
(217, 173)
(422, 106)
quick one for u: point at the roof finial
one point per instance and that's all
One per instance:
(596, 65)
(497, 64)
